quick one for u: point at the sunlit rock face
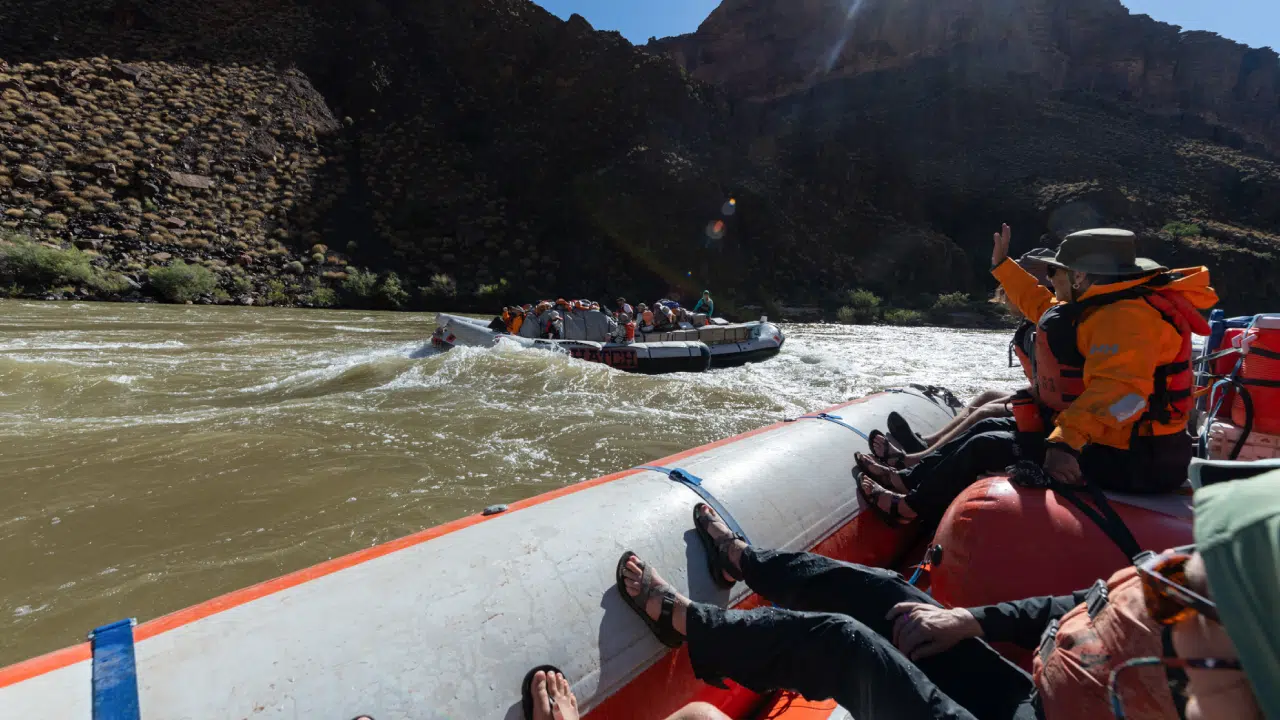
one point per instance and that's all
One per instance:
(767, 48)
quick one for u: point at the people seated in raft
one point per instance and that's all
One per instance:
(501, 323)
(705, 305)
(625, 330)
(646, 318)
(902, 448)
(551, 698)
(885, 649)
(624, 308)
(1112, 360)
(555, 326)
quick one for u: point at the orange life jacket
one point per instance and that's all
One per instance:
(1022, 346)
(631, 331)
(1079, 650)
(515, 323)
(1059, 365)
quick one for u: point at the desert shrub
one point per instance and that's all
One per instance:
(241, 284)
(33, 267)
(863, 307)
(359, 284)
(322, 297)
(902, 316)
(276, 293)
(179, 282)
(952, 302)
(1182, 229)
(440, 286)
(486, 291)
(391, 293)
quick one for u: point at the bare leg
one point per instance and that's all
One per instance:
(985, 398)
(997, 408)
(699, 711)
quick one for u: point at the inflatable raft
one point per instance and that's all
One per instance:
(445, 623)
(719, 345)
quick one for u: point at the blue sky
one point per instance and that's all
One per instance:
(1253, 22)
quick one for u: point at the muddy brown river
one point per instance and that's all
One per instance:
(155, 456)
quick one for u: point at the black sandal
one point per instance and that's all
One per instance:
(907, 438)
(526, 690)
(662, 627)
(892, 456)
(717, 552)
(896, 482)
(893, 516)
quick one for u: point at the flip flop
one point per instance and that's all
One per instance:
(662, 627)
(717, 552)
(526, 690)
(892, 457)
(893, 516)
(907, 438)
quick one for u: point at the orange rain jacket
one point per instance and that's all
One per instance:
(1122, 344)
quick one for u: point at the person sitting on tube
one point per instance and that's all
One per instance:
(902, 448)
(1112, 362)
(1189, 632)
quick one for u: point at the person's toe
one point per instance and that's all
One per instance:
(541, 696)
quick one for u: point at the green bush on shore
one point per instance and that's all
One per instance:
(440, 286)
(179, 282)
(1180, 229)
(864, 307)
(29, 267)
(390, 293)
(359, 285)
(322, 297)
(903, 316)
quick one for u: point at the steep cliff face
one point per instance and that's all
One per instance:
(763, 49)
(281, 142)
(952, 115)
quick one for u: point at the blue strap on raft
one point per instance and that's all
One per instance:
(694, 483)
(837, 420)
(115, 676)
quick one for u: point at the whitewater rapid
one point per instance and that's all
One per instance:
(156, 456)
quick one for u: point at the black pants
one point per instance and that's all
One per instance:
(1150, 465)
(832, 642)
(988, 446)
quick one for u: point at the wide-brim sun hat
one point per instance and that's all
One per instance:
(1103, 251)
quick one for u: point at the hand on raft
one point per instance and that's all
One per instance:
(1063, 466)
(921, 630)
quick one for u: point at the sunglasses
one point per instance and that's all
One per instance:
(1169, 601)
(1164, 587)
(1050, 271)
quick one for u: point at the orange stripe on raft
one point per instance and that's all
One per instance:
(59, 659)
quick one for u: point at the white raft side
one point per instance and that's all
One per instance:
(469, 331)
(447, 628)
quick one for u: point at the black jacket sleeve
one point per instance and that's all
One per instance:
(1022, 622)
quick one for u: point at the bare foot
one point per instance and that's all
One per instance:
(553, 699)
(720, 531)
(631, 575)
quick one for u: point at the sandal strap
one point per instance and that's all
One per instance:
(668, 606)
